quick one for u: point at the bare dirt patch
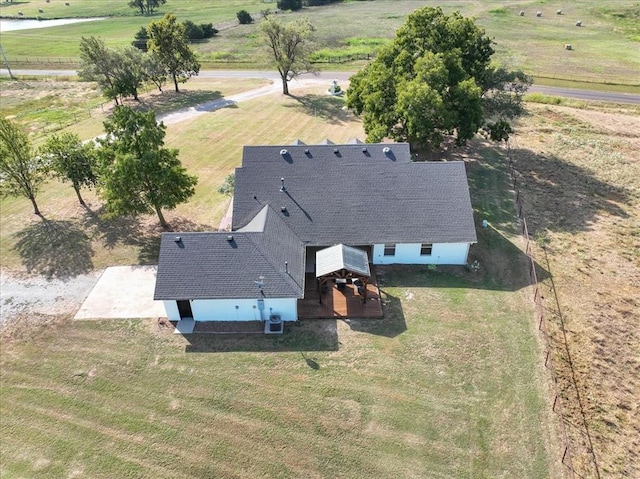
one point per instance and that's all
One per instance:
(580, 177)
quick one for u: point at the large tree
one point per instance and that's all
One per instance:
(97, 63)
(289, 47)
(436, 79)
(138, 175)
(169, 43)
(71, 160)
(21, 172)
(146, 6)
(119, 72)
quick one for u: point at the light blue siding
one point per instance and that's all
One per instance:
(409, 253)
(237, 309)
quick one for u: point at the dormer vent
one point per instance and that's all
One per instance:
(282, 187)
(286, 267)
(284, 152)
(177, 239)
(229, 238)
(386, 150)
(364, 150)
(283, 209)
(336, 151)
(306, 151)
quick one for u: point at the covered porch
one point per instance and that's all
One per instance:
(339, 300)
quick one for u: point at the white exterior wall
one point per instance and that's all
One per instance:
(409, 253)
(171, 307)
(236, 309)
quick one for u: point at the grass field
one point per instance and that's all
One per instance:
(579, 175)
(605, 48)
(449, 384)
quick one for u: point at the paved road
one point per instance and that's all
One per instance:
(592, 95)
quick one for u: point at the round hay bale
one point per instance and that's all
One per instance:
(579, 23)
(538, 14)
(567, 46)
(522, 13)
(558, 12)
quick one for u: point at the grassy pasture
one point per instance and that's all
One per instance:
(605, 49)
(455, 395)
(449, 384)
(579, 176)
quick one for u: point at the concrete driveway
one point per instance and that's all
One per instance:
(123, 292)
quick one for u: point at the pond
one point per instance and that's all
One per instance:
(10, 24)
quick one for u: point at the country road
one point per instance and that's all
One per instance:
(592, 95)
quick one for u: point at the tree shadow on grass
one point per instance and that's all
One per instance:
(55, 249)
(170, 101)
(181, 223)
(127, 230)
(328, 108)
(564, 197)
(309, 335)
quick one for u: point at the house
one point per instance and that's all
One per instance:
(328, 210)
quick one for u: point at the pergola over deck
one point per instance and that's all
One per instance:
(341, 262)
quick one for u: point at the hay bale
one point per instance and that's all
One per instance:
(567, 46)
(40, 10)
(579, 23)
(538, 14)
(558, 12)
(522, 13)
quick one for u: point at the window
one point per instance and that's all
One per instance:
(389, 249)
(425, 249)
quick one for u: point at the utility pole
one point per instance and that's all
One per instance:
(6, 62)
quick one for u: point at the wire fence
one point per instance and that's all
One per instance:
(578, 455)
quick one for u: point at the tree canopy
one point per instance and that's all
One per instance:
(21, 172)
(168, 42)
(119, 72)
(138, 175)
(436, 79)
(146, 6)
(289, 47)
(71, 160)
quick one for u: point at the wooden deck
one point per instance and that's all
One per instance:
(337, 303)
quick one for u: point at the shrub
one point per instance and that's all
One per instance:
(141, 38)
(194, 32)
(208, 30)
(244, 17)
(289, 4)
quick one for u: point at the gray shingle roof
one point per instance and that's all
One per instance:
(355, 194)
(206, 265)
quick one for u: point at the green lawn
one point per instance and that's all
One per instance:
(605, 48)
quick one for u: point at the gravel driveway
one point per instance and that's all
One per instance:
(22, 295)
